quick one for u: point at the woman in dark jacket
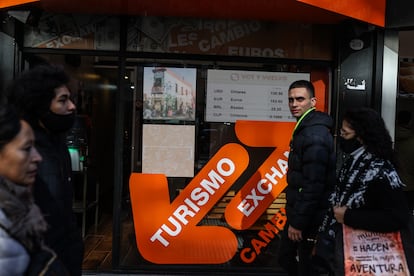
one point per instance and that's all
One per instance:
(44, 100)
(369, 192)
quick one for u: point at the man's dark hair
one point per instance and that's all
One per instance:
(370, 127)
(304, 84)
(32, 92)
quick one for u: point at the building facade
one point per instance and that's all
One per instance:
(186, 112)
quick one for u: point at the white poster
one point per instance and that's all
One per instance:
(168, 149)
(249, 95)
(372, 253)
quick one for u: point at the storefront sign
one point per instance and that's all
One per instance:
(230, 38)
(249, 95)
(244, 38)
(87, 32)
(169, 232)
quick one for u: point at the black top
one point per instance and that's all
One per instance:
(53, 193)
(311, 173)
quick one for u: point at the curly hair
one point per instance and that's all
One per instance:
(370, 127)
(32, 92)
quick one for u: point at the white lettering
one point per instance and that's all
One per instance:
(199, 196)
(214, 177)
(251, 201)
(244, 208)
(255, 197)
(191, 205)
(261, 187)
(169, 231)
(222, 171)
(157, 237)
(272, 177)
(181, 212)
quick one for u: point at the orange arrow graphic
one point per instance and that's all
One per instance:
(264, 134)
(167, 233)
(258, 193)
(269, 180)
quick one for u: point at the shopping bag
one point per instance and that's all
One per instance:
(373, 253)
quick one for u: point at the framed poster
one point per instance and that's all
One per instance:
(169, 93)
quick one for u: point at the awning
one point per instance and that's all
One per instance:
(371, 11)
(305, 11)
(12, 3)
(272, 10)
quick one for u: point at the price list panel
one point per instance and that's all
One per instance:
(249, 95)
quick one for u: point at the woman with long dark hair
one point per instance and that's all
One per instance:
(368, 194)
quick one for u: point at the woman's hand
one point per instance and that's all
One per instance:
(339, 212)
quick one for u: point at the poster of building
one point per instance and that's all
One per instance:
(169, 93)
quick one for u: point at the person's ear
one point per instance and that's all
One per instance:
(313, 102)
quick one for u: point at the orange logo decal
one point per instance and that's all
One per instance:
(168, 232)
(259, 192)
(264, 237)
(269, 180)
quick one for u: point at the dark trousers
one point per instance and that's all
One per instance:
(410, 200)
(296, 257)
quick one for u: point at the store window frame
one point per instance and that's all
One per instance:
(202, 67)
